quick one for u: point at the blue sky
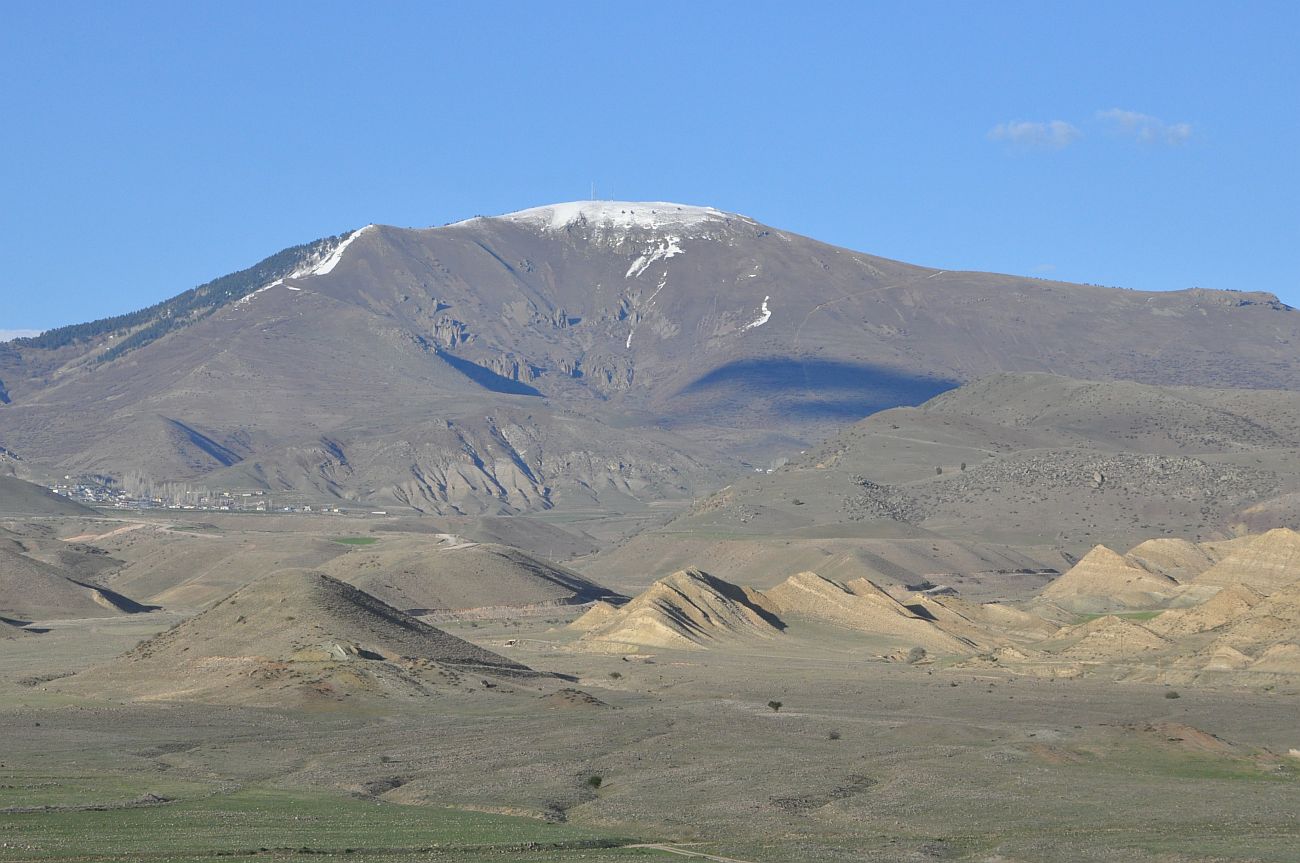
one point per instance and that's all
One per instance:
(150, 147)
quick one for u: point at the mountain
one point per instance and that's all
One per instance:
(588, 353)
(298, 635)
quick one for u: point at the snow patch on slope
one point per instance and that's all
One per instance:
(314, 267)
(667, 248)
(332, 261)
(762, 319)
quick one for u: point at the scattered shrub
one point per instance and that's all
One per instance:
(775, 705)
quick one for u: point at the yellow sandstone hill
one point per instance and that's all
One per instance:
(1222, 608)
(984, 624)
(689, 609)
(1265, 562)
(1105, 639)
(600, 613)
(1243, 629)
(1280, 659)
(860, 606)
(1104, 581)
(1179, 559)
(1262, 643)
(1273, 621)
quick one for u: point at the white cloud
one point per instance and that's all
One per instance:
(1052, 134)
(7, 335)
(1145, 128)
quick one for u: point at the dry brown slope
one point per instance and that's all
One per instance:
(290, 635)
(11, 630)
(887, 554)
(33, 590)
(192, 569)
(422, 576)
(1036, 461)
(19, 497)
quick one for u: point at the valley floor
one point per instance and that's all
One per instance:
(862, 760)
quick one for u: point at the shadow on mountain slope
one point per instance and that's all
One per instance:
(819, 388)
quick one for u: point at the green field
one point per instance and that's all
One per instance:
(271, 823)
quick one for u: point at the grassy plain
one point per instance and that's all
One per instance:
(215, 823)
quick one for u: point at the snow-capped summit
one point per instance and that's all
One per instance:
(617, 214)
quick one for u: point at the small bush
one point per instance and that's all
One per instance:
(615, 675)
(834, 735)
(775, 705)
(594, 780)
(1172, 694)
(915, 655)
